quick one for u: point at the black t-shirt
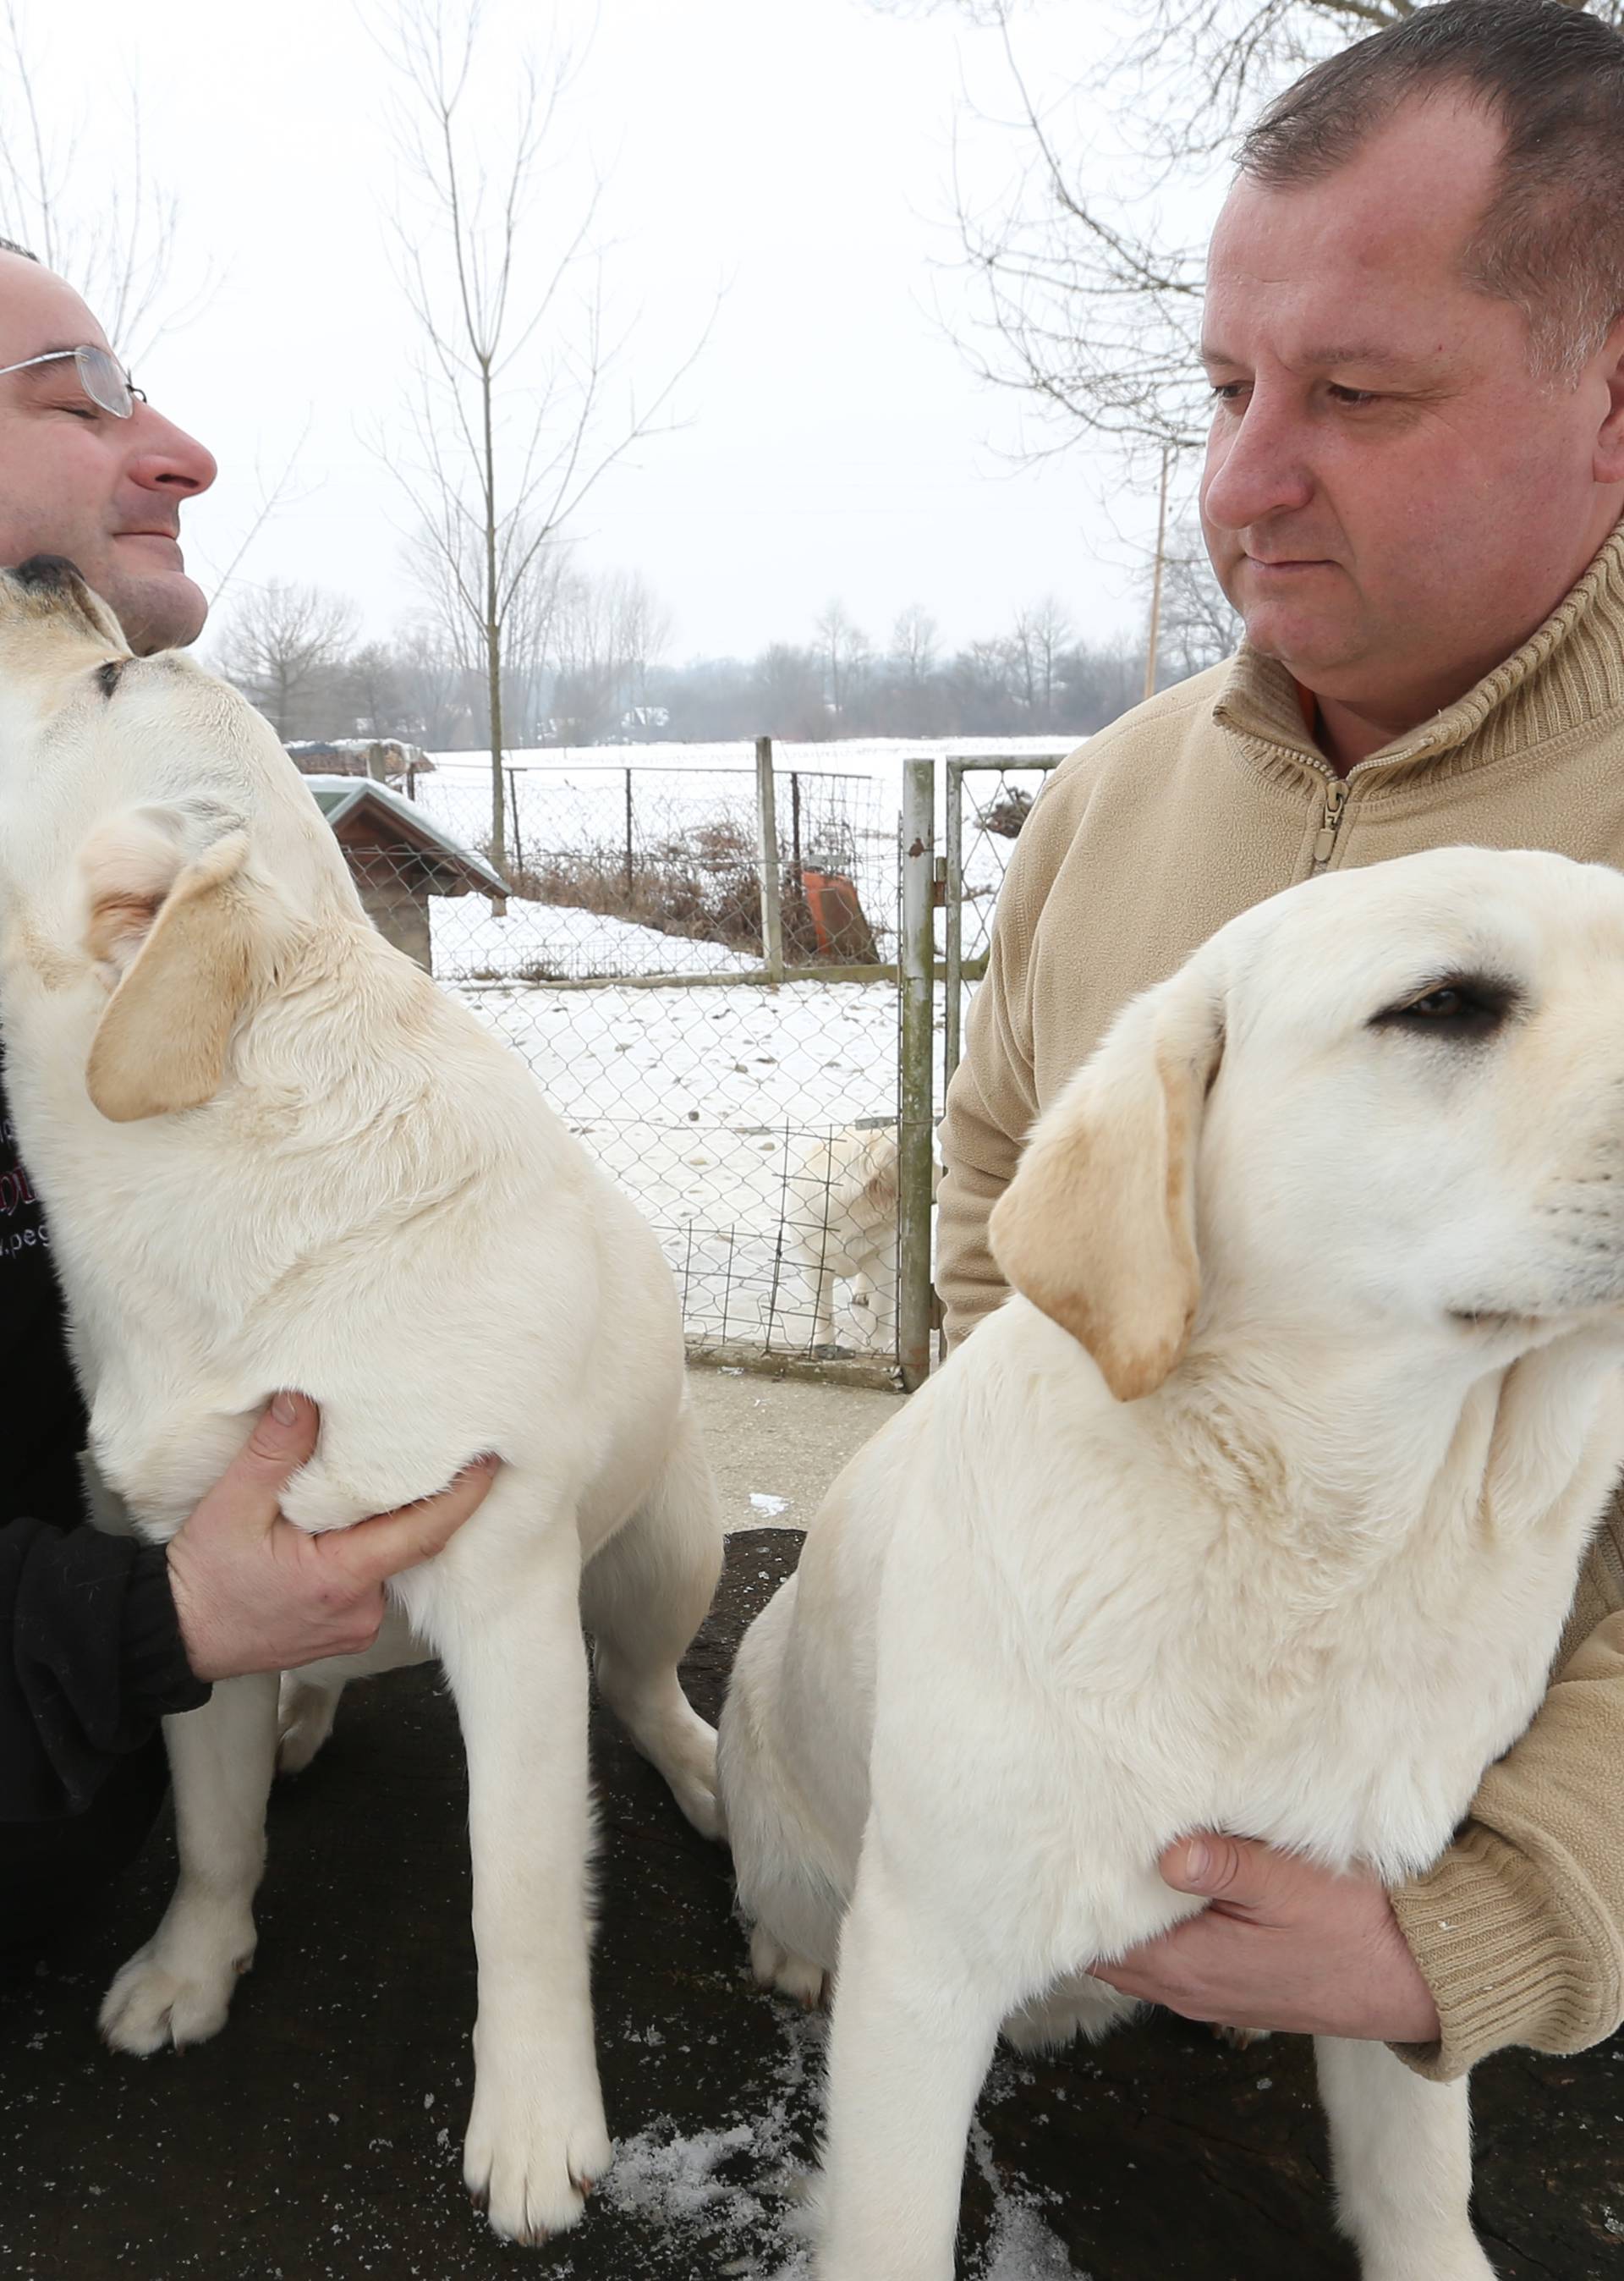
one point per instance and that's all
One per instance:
(90, 1650)
(41, 1417)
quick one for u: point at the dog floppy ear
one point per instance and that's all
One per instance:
(182, 938)
(1097, 1228)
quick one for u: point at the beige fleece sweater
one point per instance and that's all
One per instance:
(1187, 811)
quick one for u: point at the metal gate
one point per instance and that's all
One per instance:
(984, 801)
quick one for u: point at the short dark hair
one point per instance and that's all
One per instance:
(9, 245)
(1551, 240)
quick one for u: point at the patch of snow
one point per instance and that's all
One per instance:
(548, 941)
(764, 1503)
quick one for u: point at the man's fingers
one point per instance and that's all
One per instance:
(374, 1551)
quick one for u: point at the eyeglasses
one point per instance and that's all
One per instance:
(101, 375)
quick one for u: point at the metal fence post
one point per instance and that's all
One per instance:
(916, 969)
(766, 818)
(953, 1011)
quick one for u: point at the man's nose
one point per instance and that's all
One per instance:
(1256, 465)
(163, 457)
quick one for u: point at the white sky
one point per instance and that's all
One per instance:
(796, 153)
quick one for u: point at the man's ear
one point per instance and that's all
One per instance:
(1097, 1228)
(183, 939)
(1609, 460)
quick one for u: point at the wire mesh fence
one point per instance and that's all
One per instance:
(988, 799)
(620, 951)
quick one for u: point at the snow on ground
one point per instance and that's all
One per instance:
(738, 2195)
(700, 1102)
(544, 941)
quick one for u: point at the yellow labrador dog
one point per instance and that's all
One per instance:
(1258, 1507)
(842, 1199)
(274, 1155)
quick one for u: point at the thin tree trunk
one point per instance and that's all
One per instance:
(493, 642)
(1154, 640)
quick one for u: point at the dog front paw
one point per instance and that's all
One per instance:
(165, 1995)
(533, 2156)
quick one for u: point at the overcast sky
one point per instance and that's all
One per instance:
(792, 157)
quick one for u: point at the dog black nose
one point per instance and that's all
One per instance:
(49, 574)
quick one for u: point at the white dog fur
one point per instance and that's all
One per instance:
(1259, 1508)
(274, 1155)
(843, 1199)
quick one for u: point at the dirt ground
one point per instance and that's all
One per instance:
(318, 2137)
(777, 1444)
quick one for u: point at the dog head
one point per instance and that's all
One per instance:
(1394, 1094)
(158, 851)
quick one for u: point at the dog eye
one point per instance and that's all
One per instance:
(1459, 1006)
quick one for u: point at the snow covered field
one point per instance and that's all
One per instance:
(700, 1101)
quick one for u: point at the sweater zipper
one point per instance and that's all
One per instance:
(1325, 838)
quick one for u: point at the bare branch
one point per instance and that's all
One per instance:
(508, 419)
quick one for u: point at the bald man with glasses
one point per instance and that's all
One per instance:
(101, 1638)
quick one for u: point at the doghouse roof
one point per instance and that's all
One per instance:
(353, 799)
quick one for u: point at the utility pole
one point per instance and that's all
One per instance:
(1154, 643)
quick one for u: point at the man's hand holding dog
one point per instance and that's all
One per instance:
(254, 1593)
(1282, 1944)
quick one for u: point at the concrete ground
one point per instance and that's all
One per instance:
(777, 1444)
(318, 2137)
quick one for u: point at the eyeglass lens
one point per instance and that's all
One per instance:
(104, 381)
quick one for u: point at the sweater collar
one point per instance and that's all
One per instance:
(1567, 673)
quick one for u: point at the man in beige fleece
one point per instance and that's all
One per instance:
(1414, 335)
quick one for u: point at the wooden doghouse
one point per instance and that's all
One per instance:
(398, 858)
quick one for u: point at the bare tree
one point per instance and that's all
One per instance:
(913, 645)
(510, 421)
(287, 648)
(789, 692)
(86, 203)
(1198, 626)
(439, 697)
(606, 632)
(1042, 633)
(846, 658)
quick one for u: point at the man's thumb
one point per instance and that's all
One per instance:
(282, 1441)
(1221, 1867)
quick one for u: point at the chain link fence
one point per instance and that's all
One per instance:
(620, 949)
(988, 799)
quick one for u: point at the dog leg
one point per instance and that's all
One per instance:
(912, 2036)
(822, 1280)
(1401, 2151)
(304, 1716)
(865, 1313)
(643, 1596)
(1081, 2006)
(512, 1646)
(177, 1989)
